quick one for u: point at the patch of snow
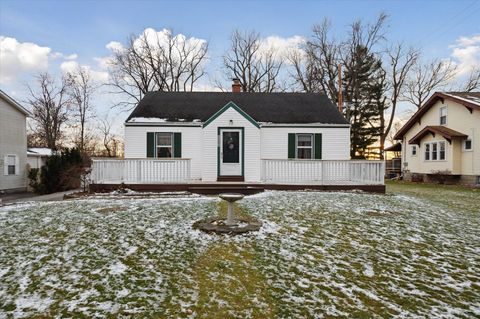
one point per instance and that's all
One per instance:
(118, 268)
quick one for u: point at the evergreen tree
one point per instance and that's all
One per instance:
(364, 89)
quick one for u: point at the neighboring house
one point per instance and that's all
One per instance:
(226, 135)
(13, 144)
(443, 137)
(37, 156)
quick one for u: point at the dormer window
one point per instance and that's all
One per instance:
(443, 115)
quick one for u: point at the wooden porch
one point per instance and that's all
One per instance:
(161, 175)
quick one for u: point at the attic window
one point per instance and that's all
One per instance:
(443, 115)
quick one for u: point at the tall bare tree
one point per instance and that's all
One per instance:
(50, 104)
(257, 69)
(473, 81)
(315, 70)
(426, 78)
(401, 61)
(156, 62)
(81, 89)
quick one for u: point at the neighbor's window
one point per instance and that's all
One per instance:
(443, 115)
(11, 164)
(305, 146)
(414, 150)
(441, 149)
(435, 151)
(467, 145)
(164, 145)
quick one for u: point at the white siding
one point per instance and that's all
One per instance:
(13, 141)
(251, 145)
(136, 144)
(201, 144)
(335, 142)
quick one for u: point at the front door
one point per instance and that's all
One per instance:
(230, 160)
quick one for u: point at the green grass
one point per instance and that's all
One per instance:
(412, 252)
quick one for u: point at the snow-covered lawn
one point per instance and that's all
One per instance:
(408, 254)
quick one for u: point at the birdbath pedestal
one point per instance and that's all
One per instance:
(230, 198)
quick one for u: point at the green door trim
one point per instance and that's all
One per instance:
(236, 108)
(219, 130)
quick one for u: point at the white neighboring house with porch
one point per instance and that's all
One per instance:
(199, 137)
(443, 136)
(13, 144)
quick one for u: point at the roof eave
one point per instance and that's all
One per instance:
(15, 104)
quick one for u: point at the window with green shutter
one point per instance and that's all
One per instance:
(305, 145)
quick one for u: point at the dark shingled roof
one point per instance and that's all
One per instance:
(262, 107)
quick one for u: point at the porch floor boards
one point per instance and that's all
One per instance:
(246, 188)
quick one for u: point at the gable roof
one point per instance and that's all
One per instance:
(14, 103)
(285, 108)
(471, 101)
(236, 108)
(446, 132)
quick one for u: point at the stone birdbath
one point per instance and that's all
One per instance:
(230, 225)
(230, 198)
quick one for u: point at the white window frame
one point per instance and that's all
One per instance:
(414, 147)
(6, 165)
(304, 147)
(440, 115)
(430, 146)
(464, 145)
(157, 146)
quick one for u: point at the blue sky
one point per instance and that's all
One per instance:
(84, 28)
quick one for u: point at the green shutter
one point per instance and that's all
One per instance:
(291, 145)
(318, 146)
(177, 144)
(150, 144)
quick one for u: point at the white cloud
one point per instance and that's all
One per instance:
(17, 58)
(281, 46)
(466, 53)
(114, 46)
(97, 76)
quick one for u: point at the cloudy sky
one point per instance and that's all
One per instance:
(59, 35)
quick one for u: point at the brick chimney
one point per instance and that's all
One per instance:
(236, 86)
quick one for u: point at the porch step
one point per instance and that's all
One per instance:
(230, 179)
(215, 190)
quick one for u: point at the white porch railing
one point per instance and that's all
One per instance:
(140, 170)
(323, 172)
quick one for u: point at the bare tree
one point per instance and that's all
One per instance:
(110, 141)
(426, 78)
(157, 62)
(50, 104)
(401, 61)
(81, 89)
(315, 70)
(473, 81)
(256, 69)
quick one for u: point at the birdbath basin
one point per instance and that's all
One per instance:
(230, 198)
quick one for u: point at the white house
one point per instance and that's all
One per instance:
(37, 156)
(443, 136)
(206, 137)
(13, 144)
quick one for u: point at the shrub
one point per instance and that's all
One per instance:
(61, 172)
